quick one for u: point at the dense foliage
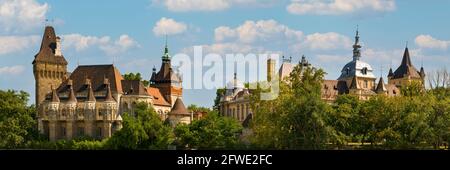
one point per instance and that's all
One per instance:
(212, 132)
(136, 76)
(299, 119)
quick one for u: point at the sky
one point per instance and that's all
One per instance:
(131, 34)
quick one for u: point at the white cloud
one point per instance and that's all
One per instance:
(427, 41)
(12, 70)
(259, 31)
(209, 5)
(110, 47)
(21, 14)
(11, 44)
(325, 41)
(269, 35)
(168, 26)
(222, 33)
(339, 7)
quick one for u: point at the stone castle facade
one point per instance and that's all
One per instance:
(356, 78)
(91, 100)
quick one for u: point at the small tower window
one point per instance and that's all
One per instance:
(364, 71)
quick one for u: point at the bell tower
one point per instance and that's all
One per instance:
(49, 65)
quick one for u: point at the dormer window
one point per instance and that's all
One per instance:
(347, 71)
(364, 71)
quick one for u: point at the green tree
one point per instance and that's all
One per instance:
(136, 76)
(439, 120)
(297, 118)
(145, 130)
(219, 93)
(195, 108)
(17, 119)
(212, 132)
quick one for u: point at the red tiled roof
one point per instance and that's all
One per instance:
(158, 98)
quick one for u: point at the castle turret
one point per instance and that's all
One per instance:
(167, 80)
(381, 88)
(90, 98)
(49, 65)
(406, 72)
(54, 101)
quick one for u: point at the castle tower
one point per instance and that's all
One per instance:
(406, 72)
(357, 74)
(49, 65)
(166, 80)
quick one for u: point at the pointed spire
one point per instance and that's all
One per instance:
(406, 58)
(381, 88)
(72, 97)
(55, 97)
(90, 94)
(422, 72)
(356, 46)
(166, 55)
(391, 73)
(108, 96)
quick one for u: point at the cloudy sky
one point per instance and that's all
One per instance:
(131, 33)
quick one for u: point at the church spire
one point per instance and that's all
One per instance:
(166, 56)
(356, 46)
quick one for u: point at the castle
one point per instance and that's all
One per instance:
(356, 78)
(91, 100)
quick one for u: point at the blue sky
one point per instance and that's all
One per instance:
(131, 33)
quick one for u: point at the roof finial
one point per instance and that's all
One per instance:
(356, 46)
(166, 40)
(357, 30)
(406, 44)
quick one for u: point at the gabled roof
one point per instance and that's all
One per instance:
(331, 88)
(97, 75)
(179, 108)
(48, 46)
(406, 68)
(158, 98)
(133, 87)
